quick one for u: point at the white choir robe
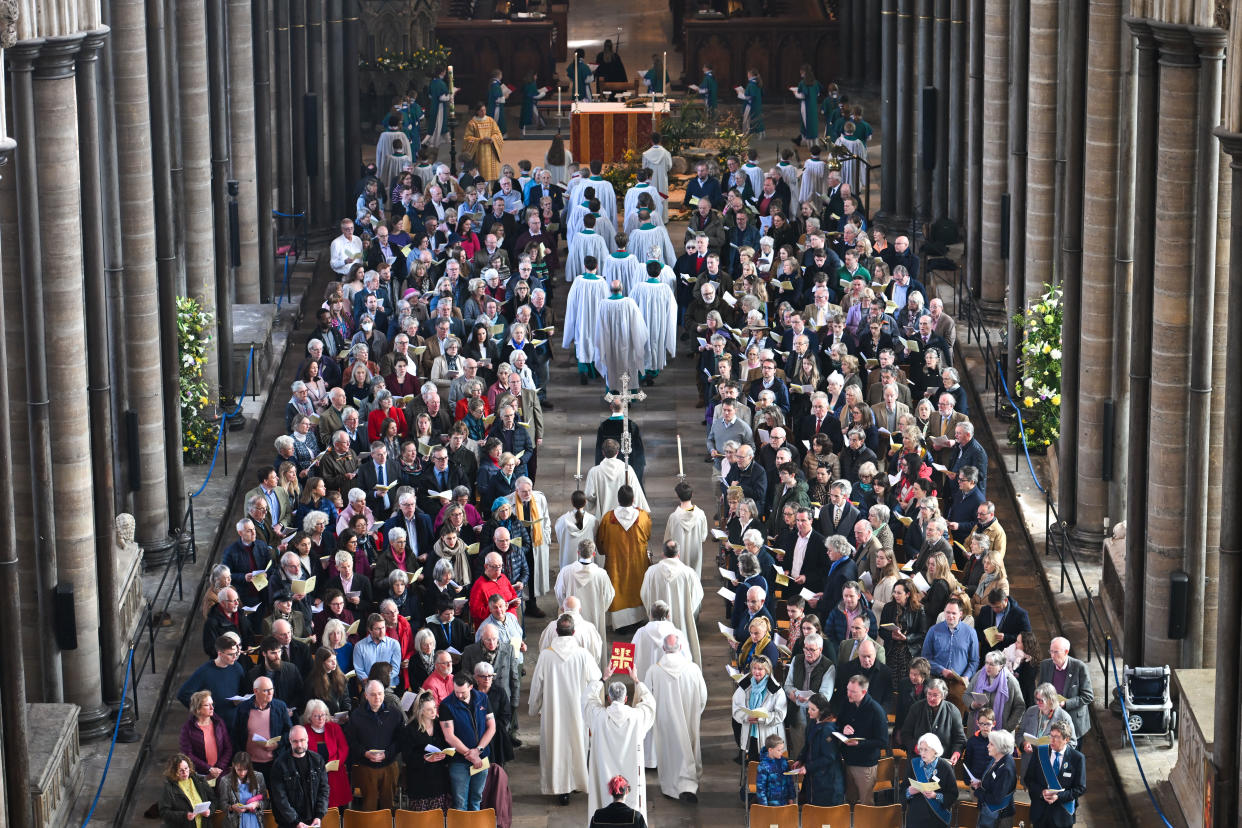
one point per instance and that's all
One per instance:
(648, 644)
(671, 581)
(584, 633)
(605, 227)
(659, 161)
(854, 172)
(617, 733)
(590, 584)
(681, 696)
(587, 243)
(658, 305)
(541, 575)
(632, 195)
(603, 191)
(563, 671)
(392, 152)
(814, 180)
(633, 220)
(620, 341)
(649, 238)
(689, 528)
(581, 306)
(789, 173)
(602, 482)
(568, 535)
(623, 267)
(755, 173)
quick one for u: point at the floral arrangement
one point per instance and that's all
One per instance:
(623, 174)
(419, 60)
(1038, 391)
(198, 436)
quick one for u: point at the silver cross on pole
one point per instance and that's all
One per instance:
(626, 396)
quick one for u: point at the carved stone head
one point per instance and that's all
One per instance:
(125, 524)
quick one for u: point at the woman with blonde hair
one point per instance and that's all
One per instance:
(994, 574)
(943, 585)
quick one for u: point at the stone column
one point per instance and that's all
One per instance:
(1147, 103)
(871, 43)
(353, 115)
(318, 200)
(956, 123)
(61, 289)
(285, 201)
(131, 94)
(845, 12)
(24, 308)
(995, 149)
(1015, 266)
(905, 111)
(974, 163)
(1209, 43)
(923, 77)
(200, 255)
(940, 183)
(242, 136)
(858, 22)
(1229, 622)
(1213, 648)
(1069, 267)
(176, 163)
(217, 70)
(1097, 336)
(1170, 332)
(264, 167)
(340, 182)
(99, 387)
(1041, 130)
(888, 111)
(296, 115)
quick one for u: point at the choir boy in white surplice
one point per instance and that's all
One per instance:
(658, 305)
(651, 240)
(586, 294)
(620, 339)
(563, 673)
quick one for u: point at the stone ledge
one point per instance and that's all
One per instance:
(55, 761)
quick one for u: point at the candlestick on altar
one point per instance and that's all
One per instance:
(664, 76)
(681, 471)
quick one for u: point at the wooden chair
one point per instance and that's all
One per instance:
(471, 819)
(332, 819)
(418, 819)
(269, 819)
(819, 816)
(884, 776)
(368, 819)
(877, 816)
(967, 814)
(1022, 812)
(752, 773)
(768, 816)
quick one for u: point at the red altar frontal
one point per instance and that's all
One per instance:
(604, 131)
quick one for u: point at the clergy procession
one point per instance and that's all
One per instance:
(414, 605)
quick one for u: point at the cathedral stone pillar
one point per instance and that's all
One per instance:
(1019, 60)
(905, 111)
(957, 120)
(974, 162)
(265, 175)
(888, 108)
(923, 77)
(995, 150)
(242, 135)
(1041, 139)
(942, 56)
(285, 201)
(1097, 336)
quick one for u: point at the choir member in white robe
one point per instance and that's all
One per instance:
(573, 527)
(681, 696)
(392, 152)
(658, 305)
(687, 525)
(789, 174)
(643, 187)
(586, 580)
(603, 190)
(853, 172)
(584, 631)
(612, 473)
(648, 644)
(620, 339)
(632, 221)
(670, 582)
(604, 224)
(564, 671)
(581, 308)
(622, 266)
(755, 173)
(650, 237)
(814, 177)
(657, 159)
(586, 243)
(617, 733)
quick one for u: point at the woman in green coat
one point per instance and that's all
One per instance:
(808, 91)
(752, 104)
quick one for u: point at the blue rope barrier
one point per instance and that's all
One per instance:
(279, 214)
(284, 285)
(1004, 383)
(224, 421)
(129, 661)
(1125, 727)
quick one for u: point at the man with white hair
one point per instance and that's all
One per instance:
(586, 581)
(680, 696)
(649, 638)
(530, 506)
(563, 671)
(585, 632)
(1072, 680)
(617, 732)
(675, 586)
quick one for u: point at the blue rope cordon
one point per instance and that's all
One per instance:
(129, 661)
(1125, 726)
(224, 421)
(279, 214)
(1004, 383)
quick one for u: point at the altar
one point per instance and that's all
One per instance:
(604, 131)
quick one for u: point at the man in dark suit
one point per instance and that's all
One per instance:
(819, 421)
(545, 187)
(806, 556)
(735, 178)
(927, 338)
(768, 381)
(838, 516)
(380, 470)
(514, 439)
(292, 651)
(1003, 613)
(497, 215)
(1055, 776)
(968, 452)
(440, 476)
(611, 428)
(703, 186)
(415, 522)
(964, 505)
(868, 665)
(904, 256)
(1072, 680)
(382, 250)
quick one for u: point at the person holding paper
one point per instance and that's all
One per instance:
(500, 656)
(935, 714)
(1039, 719)
(1000, 622)
(994, 786)
(1072, 681)
(205, 737)
(426, 764)
(903, 626)
(223, 677)
(863, 731)
(242, 794)
(186, 798)
(372, 732)
(226, 617)
(263, 722)
(299, 785)
(810, 673)
(950, 646)
(932, 791)
(1057, 780)
(469, 726)
(964, 506)
(321, 730)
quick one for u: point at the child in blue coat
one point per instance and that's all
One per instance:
(772, 786)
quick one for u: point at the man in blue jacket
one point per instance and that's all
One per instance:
(703, 186)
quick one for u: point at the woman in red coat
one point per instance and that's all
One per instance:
(328, 740)
(385, 410)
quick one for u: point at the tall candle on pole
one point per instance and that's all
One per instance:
(664, 76)
(681, 471)
(578, 473)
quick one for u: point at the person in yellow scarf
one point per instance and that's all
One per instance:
(184, 794)
(759, 643)
(531, 508)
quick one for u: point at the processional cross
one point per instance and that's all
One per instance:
(626, 396)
